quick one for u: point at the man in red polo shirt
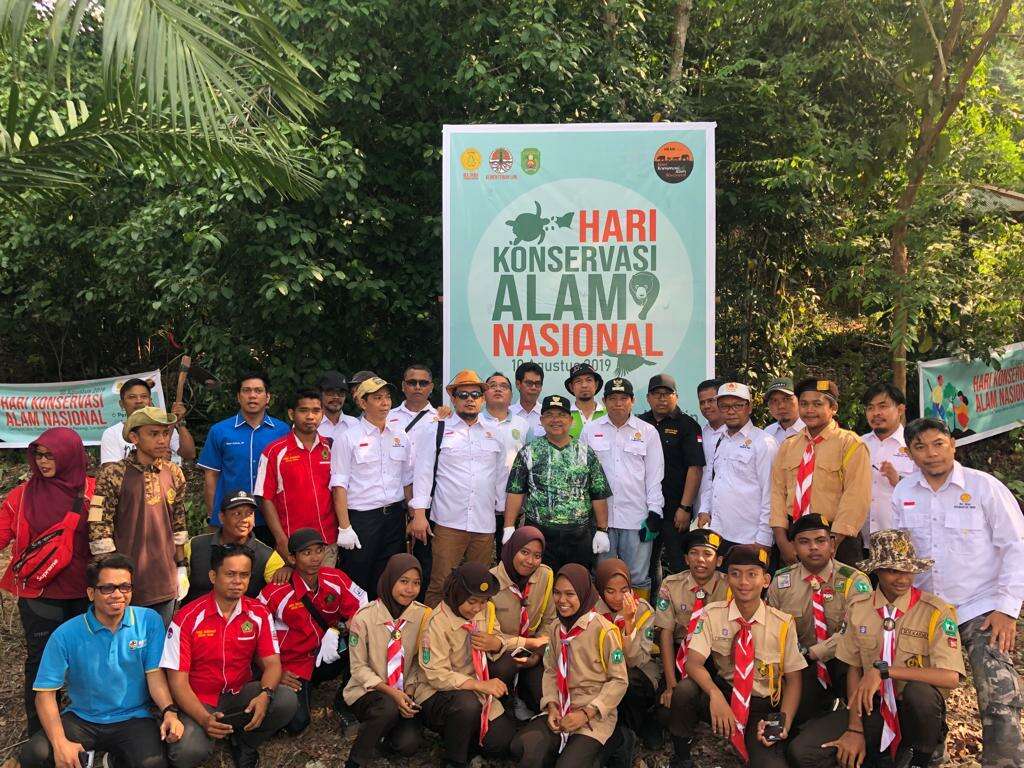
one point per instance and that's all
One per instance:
(308, 610)
(209, 653)
(294, 478)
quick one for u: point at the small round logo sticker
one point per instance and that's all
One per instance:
(470, 159)
(673, 162)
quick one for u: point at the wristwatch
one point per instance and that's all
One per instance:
(603, 530)
(268, 691)
(688, 508)
(169, 708)
(883, 668)
(181, 563)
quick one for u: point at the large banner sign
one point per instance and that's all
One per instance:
(573, 243)
(88, 407)
(974, 399)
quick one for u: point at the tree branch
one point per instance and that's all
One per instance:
(679, 32)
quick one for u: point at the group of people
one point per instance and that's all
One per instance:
(554, 580)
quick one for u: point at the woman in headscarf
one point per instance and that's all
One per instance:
(383, 645)
(460, 699)
(584, 681)
(634, 618)
(523, 606)
(57, 487)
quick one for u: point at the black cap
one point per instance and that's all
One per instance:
(808, 522)
(618, 386)
(702, 537)
(555, 401)
(237, 498)
(302, 538)
(826, 387)
(747, 554)
(333, 380)
(582, 369)
(662, 381)
(477, 579)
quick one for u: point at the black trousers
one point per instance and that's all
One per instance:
(851, 551)
(814, 700)
(379, 718)
(567, 545)
(922, 713)
(40, 616)
(635, 707)
(455, 715)
(667, 555)
(381, 534)
(536, 746)
(133, 743)
(300, 721)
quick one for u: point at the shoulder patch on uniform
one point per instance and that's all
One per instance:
(617, 656)
(862, 586)
(949, 627)
(353, 640)
(649, 633)
(699, 628)
(783, 580)
(842, 627)
(426, 655)
(846, 571)
(662, 603)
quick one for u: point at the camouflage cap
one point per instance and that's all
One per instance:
(148, 415)
(894, 550)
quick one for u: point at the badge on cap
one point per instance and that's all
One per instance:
(823, 386)
(484, 586)
(714, 539)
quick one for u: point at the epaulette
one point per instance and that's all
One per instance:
(787, 569)
(674, 577)
(858, 597)
(936, 602)
(846, 571)
(780, 615)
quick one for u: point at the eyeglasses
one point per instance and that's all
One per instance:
(500, 386)
(475, 394)
(732, 407)
(418, 382)
(529, 383)
(109, 589)
(45, 455)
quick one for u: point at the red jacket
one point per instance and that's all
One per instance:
(298, 482)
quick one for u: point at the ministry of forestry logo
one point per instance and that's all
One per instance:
(500, 160)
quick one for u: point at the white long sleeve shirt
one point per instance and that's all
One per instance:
(780, 433)
(532, 418)
(709, 441)
(894, 450)
(738, 496)
(400, 417)
(514, 431)
(471, 476)
(634, 463)
(374, 466)
(973, 529)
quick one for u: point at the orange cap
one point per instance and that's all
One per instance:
(462, 379)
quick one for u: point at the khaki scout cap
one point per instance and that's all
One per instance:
(369, 386)
(148, 415)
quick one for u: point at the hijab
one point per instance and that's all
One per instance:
(609, 569)
(48, 499)
(517, 541)
(579, 577)
(393, 571)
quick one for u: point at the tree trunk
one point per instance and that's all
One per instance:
(679, 31)
(900, 264)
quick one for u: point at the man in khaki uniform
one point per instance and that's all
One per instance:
(770, 670)
(834, 469)
(816, 580)
(923, 662)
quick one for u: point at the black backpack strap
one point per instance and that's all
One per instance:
(314, 612)
(416, 418)
(437, 452)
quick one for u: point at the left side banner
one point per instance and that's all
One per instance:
(88, 407)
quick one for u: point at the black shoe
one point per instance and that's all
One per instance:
(651, 733)
(242, 755)
(626, 752)
(347, 716)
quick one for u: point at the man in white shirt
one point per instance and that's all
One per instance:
(465, 487)
(133, 395)
(632, 459)
(529, 382)
(583, 384)
(333, 392)
(737, 497)
(513, 429)
(884, 407)
(707, 401)
(782, 405)
(971, 525)
(371, 478)
(415, 415)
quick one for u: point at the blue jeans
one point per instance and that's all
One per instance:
(636, 554)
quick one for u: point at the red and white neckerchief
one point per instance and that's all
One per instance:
(562, 675)
(482, 673)
(804, 474)
(618, 621)
(396, 655)
(742, 684)
(820, 627)
(890, 720)
(700, 596)
(524, 617)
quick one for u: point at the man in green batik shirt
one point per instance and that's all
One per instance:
(559, 485)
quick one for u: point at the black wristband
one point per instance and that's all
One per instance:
(854, 730)
(268, 691)
(169, 708)
(686, 508)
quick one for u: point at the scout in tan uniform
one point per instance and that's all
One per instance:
(903, 651)
(754, 650)
(458, 697)
(584, 681)
(383, 649)
(834, 469)
(817, 584)
(523, 607)
(634, 618)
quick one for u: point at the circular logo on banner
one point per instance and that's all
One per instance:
(673, 162)
(470, 159)
(500, 160)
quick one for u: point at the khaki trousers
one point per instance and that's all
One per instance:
(452, 547)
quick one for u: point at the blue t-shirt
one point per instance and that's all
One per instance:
(105, 672)
(233, 448)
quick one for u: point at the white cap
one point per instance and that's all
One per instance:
(732, 389)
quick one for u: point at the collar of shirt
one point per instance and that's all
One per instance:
(267, 421)
(319, 441)
(757, 618)
(382, 615)
(235, 613)
(598, 411)
(582, 622)
(830, 429)
(825, 576)
(743, 431)
(521, 409)
(369, 428)
(93, 624)
(897, 436)
(486, 415)
(155, 467)
(956, 477)
(878, 600)
(796, 426)
(631, 423)
(674, 415)
(412, 414)
(707, 429)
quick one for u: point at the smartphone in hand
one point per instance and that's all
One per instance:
(773, 725)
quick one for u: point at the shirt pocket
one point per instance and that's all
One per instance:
(635, 448)
(399, 452)
(912, 650)
(867, 646)
(488, 447)
(600, 443)
(365, 454)
(965, 530)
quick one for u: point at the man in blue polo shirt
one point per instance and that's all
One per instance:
(231, 455)
(109, 657)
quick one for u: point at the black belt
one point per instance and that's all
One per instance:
(393, 507)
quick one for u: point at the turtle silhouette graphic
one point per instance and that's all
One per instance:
(528, 226)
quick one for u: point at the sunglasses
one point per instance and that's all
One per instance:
(475, 394)
(419, 382)
(109, 589)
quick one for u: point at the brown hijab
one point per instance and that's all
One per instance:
(517, 541)
(609, 569)
(579, 577)
(396, 566)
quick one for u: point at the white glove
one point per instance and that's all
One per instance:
(506, 534)
(347, 539)
(329, 648)
(182, 582)
(601, 543)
